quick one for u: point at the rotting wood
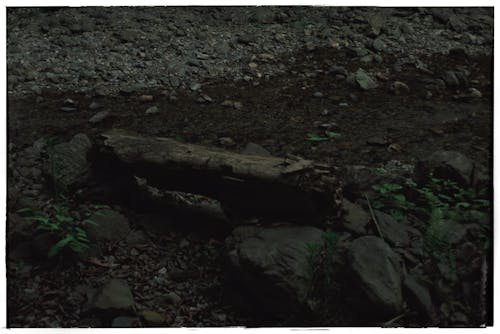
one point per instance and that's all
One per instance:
(246, 185)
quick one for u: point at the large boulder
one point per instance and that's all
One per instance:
(272, 264)
(452, 165)
(358, 179)
(376, 278)
(67, 165)
(397, 234)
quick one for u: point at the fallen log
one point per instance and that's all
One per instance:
(246, 185)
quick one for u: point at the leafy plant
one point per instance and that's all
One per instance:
(59, 221)
(392, 200)
(436, 239)
(54, 161)
(442, 204)
(321, 267)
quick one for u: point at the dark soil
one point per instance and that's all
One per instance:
(277, 114)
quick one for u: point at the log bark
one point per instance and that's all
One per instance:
(246, 185)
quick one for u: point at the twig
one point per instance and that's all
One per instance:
(393, 320)
(374, 218)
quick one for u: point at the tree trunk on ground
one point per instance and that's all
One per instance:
(247, 186)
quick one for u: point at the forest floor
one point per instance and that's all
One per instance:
(309, 110)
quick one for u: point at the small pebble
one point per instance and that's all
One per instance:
(99, 117)
(172, 298)
(195, 86)
(398, 88)
(226, 141)
(94, 106)
(146, 98)
(475, 93)
(152, 110)
(68, 109)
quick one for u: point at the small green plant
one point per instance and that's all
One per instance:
(321, 267)
(436, 239)
(54, 161)
(59, 221)
(392, 200)
(442, 204)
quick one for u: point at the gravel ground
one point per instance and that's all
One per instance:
(102, 49)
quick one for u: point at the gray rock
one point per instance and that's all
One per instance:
(125, 322)
(365, 81)
(418, 295)
(456, 79)
(94, 105)
(137, 238)
(172, 298)
(377, 272)
(450, 165)
(246, 38)
(271, 262)
(195, 86)
(451, 79)
(114, 297)
(264, 15)
(153, 318)
(379, 45)
(394, 232)
(338, 70)
(254, 149)
(99, 117)
(100, 91)
(128, 35)
(359, 179)
(152, 110)
(68, 109)
(93, 322)
(356, 219)
(111, 226)
(375, 22)
(67, 165)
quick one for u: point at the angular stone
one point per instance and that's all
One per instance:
(419, 296)
(450, 165)
(356, 219)
(365, 81)
(67, 164)
(125, 322)
(115, 296)
(152, 317)
(376, 22)
(377, 272)
(111, 226)
(99, 117)
(152, 110)
(271, 262)
(394, 232)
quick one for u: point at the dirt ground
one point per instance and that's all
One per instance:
(279, 114)
(373, 127)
